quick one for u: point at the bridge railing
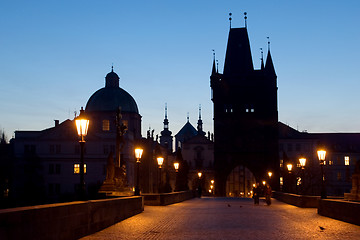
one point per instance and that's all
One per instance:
(66, 221)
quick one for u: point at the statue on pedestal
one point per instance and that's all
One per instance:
(115, 183)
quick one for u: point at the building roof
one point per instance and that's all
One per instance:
(238, 60)
(111, 97)
(186, 132)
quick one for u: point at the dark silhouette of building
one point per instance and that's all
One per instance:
(166, 139)
(245, 112)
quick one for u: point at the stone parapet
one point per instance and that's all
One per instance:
(162, 199)
(66, 221)
(341, 210)
(303, 201)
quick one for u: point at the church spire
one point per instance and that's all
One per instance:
(269, 66)
(262, 59)
(166, 121)
(165, 137)
(213, 72)
(200, 124)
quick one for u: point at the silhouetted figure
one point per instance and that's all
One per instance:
(268, 193)
(199, 190)
(256, 194)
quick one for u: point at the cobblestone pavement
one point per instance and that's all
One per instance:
(226, 218)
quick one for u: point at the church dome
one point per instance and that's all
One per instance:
(111, 97)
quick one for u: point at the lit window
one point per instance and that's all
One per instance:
(106, 125)
(347, 160)
(330, 162)
(77, 168)
(281, 163)
(281, 181)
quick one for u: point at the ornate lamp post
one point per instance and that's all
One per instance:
(82, 125)
(199, 187)
(302, 164)
(212, 186)
(160, 161)
(138, 154)
(322, 155)
(289, 167)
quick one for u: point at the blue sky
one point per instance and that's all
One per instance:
(55, 54)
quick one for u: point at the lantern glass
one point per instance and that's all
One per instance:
(138, 153)
(82, 126)
(176, 166)
(160, 161)
(321, 155)
(289, 167)
(302, 162)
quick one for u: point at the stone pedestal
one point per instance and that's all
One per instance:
(115, 183)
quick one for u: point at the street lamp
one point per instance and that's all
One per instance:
(160, 161)
(138, 154)
(289, 167)
(199, 174)
(176, 166)
(270, 174)
(302, 164)
(82, 125)
(321, 155)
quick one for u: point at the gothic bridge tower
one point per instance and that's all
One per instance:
(245, 114)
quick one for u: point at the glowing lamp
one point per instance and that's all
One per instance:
(160, 161)
(302, 162)
(138, 154)
(82, 125)
(176, 166)
(289, 167)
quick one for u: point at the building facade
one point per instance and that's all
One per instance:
(47, 162)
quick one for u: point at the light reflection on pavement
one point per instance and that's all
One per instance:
(228, 218)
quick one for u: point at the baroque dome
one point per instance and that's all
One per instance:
(111, 97)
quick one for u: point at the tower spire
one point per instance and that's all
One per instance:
(166, 121)
(262, 59)
(245, 17)
(213, 72)
(199, 111)
(200, 124)
(269, 65)
(230, 18)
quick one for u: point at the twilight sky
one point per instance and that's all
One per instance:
(55, 54)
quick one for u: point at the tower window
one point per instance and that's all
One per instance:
(228, 108)
(106, 125)
(249, 108)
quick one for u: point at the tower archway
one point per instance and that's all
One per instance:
(239, 182)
